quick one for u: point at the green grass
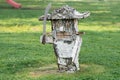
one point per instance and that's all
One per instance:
(23, 57)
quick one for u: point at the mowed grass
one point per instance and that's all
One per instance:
(23, 57)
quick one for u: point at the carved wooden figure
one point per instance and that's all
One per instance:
(65, 36)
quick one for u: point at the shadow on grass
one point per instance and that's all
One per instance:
(53, 70)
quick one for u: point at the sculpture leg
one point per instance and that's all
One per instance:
(76, 59)
(76, 62)
(62, 65)
(65, 64)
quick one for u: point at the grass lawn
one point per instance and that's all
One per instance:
(23, 57)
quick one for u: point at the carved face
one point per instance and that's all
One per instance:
(63, 25)
(63, 28)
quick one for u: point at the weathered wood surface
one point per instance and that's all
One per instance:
(65, 12)
(65, 37)
(67, 53)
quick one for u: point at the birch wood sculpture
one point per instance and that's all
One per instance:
(65, 37)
